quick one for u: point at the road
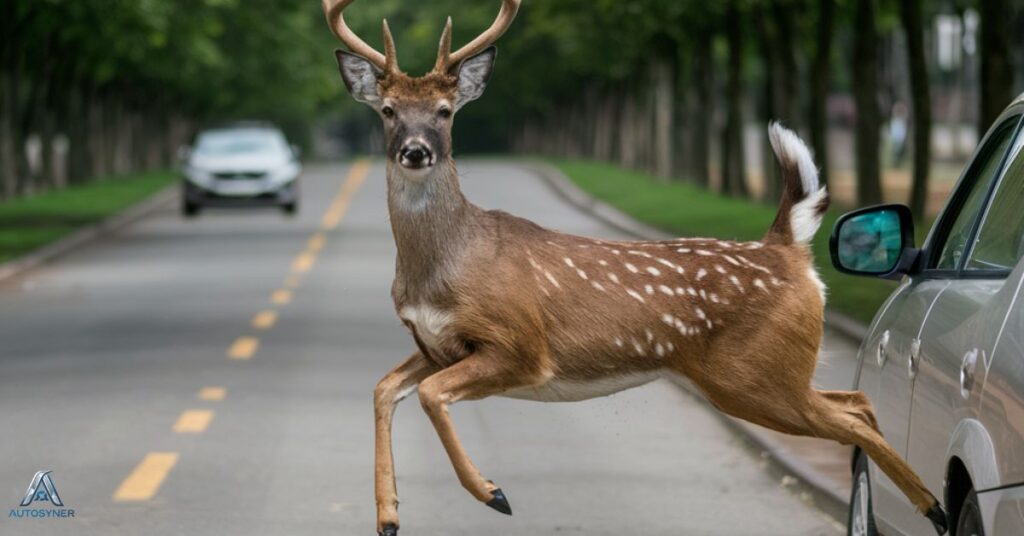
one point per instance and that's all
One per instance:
(214, 376)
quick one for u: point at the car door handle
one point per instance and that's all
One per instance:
(883, 348)
(914, 359)
(967, 368)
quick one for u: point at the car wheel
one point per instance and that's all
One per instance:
(290, 208)
(189, 209)
(861, 521)
(969, 521)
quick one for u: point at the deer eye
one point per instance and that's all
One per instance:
(388, 111)
(444, 112)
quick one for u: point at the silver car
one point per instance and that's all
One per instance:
(242, 165)
(943, 362)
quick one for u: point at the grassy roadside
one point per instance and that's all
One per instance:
(690, 211)
(30, 223)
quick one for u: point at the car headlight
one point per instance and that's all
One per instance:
(284, 174)
(198, 176)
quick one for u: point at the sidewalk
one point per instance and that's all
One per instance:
(821, 466)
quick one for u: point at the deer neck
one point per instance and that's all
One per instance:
(430, 219)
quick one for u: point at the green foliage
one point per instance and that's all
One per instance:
(690, 211)
(29, 223)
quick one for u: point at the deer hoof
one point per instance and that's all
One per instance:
(499, 502)
(937, 516)
(389, 530)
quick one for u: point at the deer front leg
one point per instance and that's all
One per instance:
(391, 389)
(475, 377)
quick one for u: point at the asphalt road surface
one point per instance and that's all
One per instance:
(214, 376)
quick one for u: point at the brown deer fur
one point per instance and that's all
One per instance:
(498, 305)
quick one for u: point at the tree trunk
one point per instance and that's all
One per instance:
(8, 171)
(996, 68)
(910, 14)
(865, 94)
(820, 84)
(701, 106)
(664, 74)
(733, 164)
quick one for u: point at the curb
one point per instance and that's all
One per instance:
(88, 233)
(827, 496)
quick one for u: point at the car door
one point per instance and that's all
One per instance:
(933, 313)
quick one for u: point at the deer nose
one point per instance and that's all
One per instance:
(415, 155)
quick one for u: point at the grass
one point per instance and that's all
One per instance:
(687, 210)
(29, 223)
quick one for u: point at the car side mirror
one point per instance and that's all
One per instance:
(874, 241)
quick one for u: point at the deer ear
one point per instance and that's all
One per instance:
(473, 74)
(360, 76)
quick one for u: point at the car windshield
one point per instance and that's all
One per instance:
(233, 142)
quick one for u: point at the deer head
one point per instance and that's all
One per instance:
(417, 111)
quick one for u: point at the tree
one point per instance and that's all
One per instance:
(865, 93)
(733, 162)
(819, 84)
(910, 15)
(996, 66)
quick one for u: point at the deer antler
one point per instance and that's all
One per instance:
(447, 59)
(387, 61)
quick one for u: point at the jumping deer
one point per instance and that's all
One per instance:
(498, 305)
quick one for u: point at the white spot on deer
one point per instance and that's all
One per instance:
(649, 334)
(736, 281)
(753, 265)
(653, 271)
(760, 284)
(581, 273)
(613, 277)
(551, 278)
(700, 313)
(632, 268)
(648, 289)
(598, 286)
(615, 252)
(681, 291)
(691, 291)
(724, 244)
(618, 342)
(703, 252)
(429, 322)
(552, 243)
(701, 273)
(776, 282)
(709, 324)
(668, 319)
(719, 269)
(659, 349)
(730, 259)
(703, 295)
(683, 250)
(714, 297)
(602, 262)
(640, 253)
(670, 346)
(635, 295)
(666, 290)
(568, 262)
(639, 349)
(668, 263)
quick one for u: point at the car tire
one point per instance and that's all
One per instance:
(290, 208)
(189, 210)
(968, 523)
(861, 519)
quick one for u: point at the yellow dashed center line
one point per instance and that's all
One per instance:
(264, 319)
(243, 348)
(317, 241)
(303, 262)
(348, 190)
(193, 421)
(281, 297)
(292, 281)
(145, 480)
(213, 394)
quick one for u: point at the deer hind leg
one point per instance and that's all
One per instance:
(475, 377)
(846, 417)
(389, 392)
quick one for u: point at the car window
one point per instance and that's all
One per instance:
(1000, 243)
(979, 179)
(233, 142)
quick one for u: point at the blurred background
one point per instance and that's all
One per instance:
(278, 322)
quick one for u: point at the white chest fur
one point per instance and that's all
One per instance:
(555, 390)
(430, 323)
